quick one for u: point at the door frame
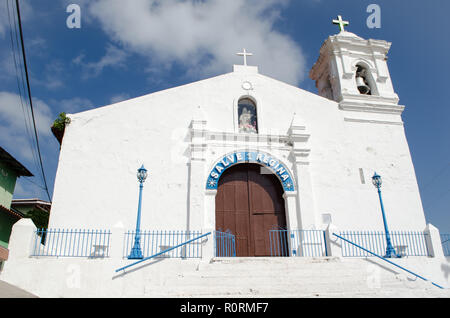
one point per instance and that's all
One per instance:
(255, 182)
(291, 206)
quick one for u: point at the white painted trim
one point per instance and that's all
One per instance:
(383, 109)
(367, 121)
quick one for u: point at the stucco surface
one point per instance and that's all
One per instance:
(96, 184)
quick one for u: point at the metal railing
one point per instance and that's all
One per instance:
(71, 243)
(224, 244)
(163, 252)
(384, 259)
(153, 242)
(445, 240)
(405, 243)
(301, 243)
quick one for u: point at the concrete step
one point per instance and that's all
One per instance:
(239, 291)
(286, 284)
(282, 281)
(302, 273)
(291, 277)
(280, 264)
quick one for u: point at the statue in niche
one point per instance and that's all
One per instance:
(247, 119)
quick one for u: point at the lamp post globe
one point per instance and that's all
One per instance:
(136, 251)
(142, 174)
(376, 180)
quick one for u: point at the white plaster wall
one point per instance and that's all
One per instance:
(96, 185)
(354, 205)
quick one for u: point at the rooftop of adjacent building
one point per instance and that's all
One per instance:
(24, 206)
(15, 165)
(11, 212)
(34, 201)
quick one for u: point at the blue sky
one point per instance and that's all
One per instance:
(126, 49)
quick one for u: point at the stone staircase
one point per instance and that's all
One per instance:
(292, 278)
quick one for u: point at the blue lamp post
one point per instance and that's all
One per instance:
(390, 251)
(136, 252)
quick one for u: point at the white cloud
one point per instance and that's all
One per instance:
(7, 66)
(12, 113)
(13, 132)
(51, 77)
(25, 14)
(201, 35)
(114, 57)
(119, 98)
(72, 105)
(4, 25)
(15, 139)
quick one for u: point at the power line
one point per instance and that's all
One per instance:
(37, 185)
(439, 198)
(21, 82)
(29, 97)
(437, 176)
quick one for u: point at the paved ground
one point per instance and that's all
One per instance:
(10, 291)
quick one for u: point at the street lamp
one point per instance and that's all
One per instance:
(136, 252)
(390, 251)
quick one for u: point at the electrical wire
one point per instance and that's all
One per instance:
(439, 198)
(20, 82)
(30, 98)
(437, 176)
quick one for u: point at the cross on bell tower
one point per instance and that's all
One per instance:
(341, 23)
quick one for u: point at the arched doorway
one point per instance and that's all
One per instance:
(250, 204)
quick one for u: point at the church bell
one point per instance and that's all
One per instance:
(362, 87)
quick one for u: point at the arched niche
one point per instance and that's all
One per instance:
(247, 115)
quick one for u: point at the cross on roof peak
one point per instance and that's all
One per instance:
(341, 23)
(245, 54)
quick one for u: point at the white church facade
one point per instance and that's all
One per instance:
(245, 154)
(322, 149)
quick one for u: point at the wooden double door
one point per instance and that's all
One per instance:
(250, 203)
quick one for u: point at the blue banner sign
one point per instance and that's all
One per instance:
(261, 158)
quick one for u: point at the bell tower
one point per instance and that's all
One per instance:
(354, 72)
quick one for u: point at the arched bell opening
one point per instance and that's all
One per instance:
(364, 80)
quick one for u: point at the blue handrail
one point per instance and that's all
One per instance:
(163, 252)
(384, 259)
